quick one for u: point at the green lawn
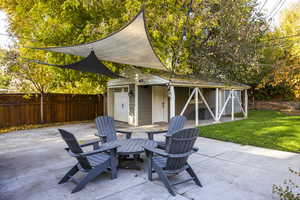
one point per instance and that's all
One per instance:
(269, 129)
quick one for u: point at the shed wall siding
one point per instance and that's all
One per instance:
(145, 105)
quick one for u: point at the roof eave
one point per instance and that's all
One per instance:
(211, 86)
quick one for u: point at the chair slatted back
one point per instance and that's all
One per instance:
(106, 126)
(176, 123)
(180, 142)
(73, 145)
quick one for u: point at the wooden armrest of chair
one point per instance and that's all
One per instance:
(152, 133)
(128, 133)
(90, 143)
(150, 149)
(96, 151)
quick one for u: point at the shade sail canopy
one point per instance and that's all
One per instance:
(88, 64)
(130, 45)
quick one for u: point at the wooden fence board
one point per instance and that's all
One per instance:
(16, 110)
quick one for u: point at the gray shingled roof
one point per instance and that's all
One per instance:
(163, 78)
(201, 82)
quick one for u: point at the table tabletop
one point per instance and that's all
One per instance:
(131, 146)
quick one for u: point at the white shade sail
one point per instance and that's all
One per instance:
(130, 45)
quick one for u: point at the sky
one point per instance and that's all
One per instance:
(268, 9)
(4, 40)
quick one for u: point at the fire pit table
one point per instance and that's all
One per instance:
(131, 147)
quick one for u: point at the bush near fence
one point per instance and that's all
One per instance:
(288, 107)
(25, 109)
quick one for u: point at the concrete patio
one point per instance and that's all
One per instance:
(33, 161)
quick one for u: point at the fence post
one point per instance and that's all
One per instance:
(42, 107)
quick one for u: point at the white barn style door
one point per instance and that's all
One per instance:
(159, 104)
(121, 108)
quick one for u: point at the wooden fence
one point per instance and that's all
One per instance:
(24, 109)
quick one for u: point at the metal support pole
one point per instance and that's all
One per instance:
(217, 105)
(196, 107)
(232, 105)
(172, 102)
(136, 102)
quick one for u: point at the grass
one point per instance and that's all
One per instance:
(269, 129)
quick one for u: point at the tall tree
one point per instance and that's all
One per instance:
(31, 77)
(56, 23)
(5, 79)
(217, 39)
(228, 44)
(283, 52)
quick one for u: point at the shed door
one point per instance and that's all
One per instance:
(121, 106)
(159, 104)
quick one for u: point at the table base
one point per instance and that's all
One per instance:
(131, 163)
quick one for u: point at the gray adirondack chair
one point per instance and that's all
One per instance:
(107, 129)
(173, 160)
(176, 123)
(93, 163)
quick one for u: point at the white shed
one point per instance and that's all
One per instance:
(144, 99)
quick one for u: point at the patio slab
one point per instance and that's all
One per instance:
(33, 161)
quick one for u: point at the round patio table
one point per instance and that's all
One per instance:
(131, 147)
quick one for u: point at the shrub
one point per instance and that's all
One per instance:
(290, 190)
(297, 106)
(279, 92)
